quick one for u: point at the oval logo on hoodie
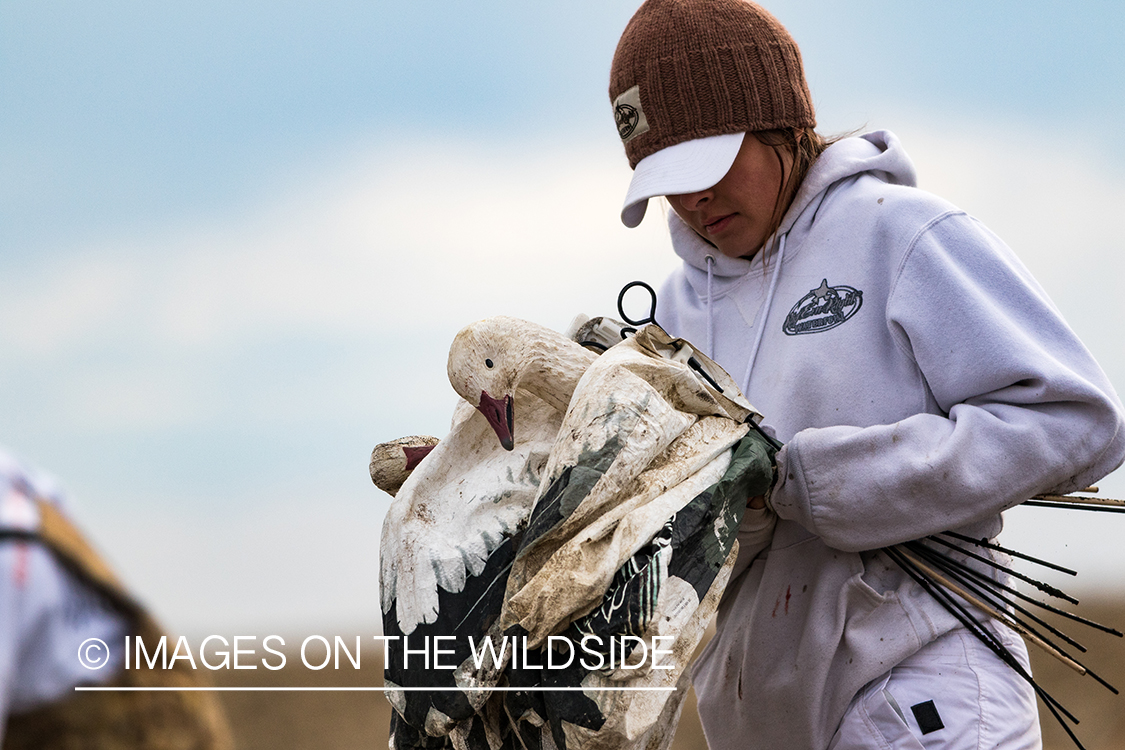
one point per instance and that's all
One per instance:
(823, 308)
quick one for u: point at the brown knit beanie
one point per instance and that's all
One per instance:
(687, 69)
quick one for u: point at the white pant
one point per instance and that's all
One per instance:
(954, 694)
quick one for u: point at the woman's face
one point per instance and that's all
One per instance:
(735, 214)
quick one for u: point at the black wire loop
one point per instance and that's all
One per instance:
(651, 311)
(693, 363)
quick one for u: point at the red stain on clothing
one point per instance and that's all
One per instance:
(777, 604)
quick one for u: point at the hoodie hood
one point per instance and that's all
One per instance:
(878, 153)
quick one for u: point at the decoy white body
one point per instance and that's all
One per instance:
(469, 493)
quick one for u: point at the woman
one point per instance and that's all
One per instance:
(920, 379)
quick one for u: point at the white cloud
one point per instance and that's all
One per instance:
(382, 241)
(276, 560)
(47, 308)
(381, 248)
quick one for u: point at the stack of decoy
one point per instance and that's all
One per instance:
(580, 515)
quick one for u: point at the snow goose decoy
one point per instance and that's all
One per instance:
(449, 537)
(392, 462)
(632, 534)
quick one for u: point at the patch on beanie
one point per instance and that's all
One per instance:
(630, 117)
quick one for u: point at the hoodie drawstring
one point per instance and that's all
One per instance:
(765, 312)
(710, 308)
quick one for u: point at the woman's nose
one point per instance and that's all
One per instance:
(692, 201)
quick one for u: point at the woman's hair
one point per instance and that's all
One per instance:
(804, 146)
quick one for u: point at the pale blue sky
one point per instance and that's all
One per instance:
(130, 112)
(236, 239)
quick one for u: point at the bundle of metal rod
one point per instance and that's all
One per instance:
(942, 568)
(986, 637)
(1070, 504)
(1079, 502)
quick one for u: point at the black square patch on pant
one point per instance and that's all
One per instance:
(927, 717)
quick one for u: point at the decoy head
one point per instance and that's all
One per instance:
(392, 462)
(486, 362)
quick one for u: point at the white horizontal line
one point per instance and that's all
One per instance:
(259, 689)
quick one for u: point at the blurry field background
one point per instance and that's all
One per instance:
(236, 240)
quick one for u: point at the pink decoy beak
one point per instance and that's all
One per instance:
(498, 412)
(414, 455)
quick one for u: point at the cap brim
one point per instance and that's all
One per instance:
(684, 168)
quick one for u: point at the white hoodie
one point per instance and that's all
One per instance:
(921, 380)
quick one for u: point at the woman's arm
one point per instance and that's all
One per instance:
(1019, 405)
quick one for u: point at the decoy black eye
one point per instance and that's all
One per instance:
(488, 363)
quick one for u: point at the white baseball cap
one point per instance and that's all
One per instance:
(683, 168)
